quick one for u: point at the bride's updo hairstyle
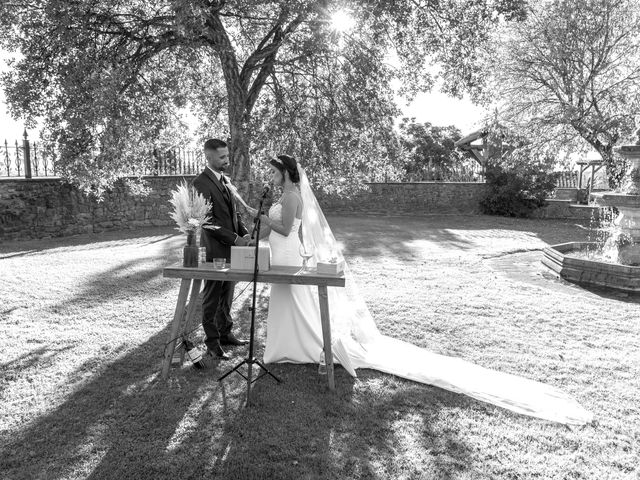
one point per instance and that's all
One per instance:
(289, 164)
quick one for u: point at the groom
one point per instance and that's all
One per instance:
(223, 230)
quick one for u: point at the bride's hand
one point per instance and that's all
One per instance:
(252, 211)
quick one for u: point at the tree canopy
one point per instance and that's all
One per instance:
(569, 75)
(110, 77)
(428, 147)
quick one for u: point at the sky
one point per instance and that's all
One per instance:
(442, 110)
(10, 129)
(435, 107)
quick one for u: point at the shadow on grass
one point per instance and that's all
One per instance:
(127, 423)
(103, 412)
(369, 236)
(610, 294)
(26, 247)
(375, 237)
(32, 358)
(127, 277)
(302, 430)
(299, 429)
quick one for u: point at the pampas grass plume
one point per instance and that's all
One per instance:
(190, 208)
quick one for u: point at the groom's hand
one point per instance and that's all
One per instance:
(250, 241)
(241, 241)
(244, 241)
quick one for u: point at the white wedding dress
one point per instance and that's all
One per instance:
(294, 333)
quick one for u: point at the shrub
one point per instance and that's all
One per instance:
(517, 191)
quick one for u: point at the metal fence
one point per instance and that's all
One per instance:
(27, 159)
(175, 161)
(462, 171)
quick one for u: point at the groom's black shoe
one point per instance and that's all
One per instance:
(217, 352)
(231, 339)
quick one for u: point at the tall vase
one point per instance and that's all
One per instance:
(190, 251)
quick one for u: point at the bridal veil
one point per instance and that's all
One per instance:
(358, 343)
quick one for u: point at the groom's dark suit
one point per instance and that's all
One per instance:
(217, 296)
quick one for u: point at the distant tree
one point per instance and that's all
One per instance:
(109, 76)
(429, 150)
(570, 74)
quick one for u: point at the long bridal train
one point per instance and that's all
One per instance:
(294, 334)
(512, 392)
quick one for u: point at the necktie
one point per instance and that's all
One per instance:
(225, 184)
(225, 187)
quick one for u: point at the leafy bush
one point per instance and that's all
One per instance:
(517, 190)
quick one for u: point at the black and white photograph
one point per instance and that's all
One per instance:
(309, 240)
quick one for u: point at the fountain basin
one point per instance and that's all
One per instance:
(632, 152)
(628, 220)
(611, 199)
(590, 272)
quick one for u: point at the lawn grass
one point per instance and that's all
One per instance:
(84, 321)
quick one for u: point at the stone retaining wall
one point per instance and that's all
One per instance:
(48, 207)
(417, 198)
(567, 209)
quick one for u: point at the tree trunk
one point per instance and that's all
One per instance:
(616, 167)
(240, 139)
(239, 145)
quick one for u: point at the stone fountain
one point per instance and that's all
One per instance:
(619, 265)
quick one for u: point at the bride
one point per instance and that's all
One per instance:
(294, 332)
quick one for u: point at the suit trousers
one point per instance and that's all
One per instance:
(216, 308)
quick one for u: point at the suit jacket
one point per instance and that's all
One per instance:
(223, 216)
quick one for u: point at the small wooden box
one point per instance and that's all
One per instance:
(243, 258)
(330, 268)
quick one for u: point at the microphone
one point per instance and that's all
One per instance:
(265, 190)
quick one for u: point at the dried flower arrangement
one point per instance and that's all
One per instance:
(190, 208)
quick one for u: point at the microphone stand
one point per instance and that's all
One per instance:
(251, 360)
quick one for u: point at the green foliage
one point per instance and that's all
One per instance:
(337, 119)
(519, 186)
(568, 75)
(111, 77)
(427, 147)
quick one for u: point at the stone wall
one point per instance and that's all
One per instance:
(411, 198)
(47, 207)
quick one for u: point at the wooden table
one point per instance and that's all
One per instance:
(192, 279)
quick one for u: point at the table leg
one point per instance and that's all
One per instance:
(323, 298)
(193, 305)
(175, 327)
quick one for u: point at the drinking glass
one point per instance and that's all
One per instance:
(306, 252)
